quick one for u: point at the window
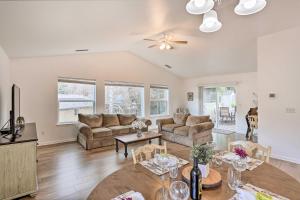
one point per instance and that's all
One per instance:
(75, 96)
(159, 100)
(124, 98)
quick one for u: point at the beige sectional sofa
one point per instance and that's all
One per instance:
(186, 129)
(98, 130)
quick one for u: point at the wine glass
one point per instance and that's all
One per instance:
(163, 161)
(179, 191)
(231, 178)
(173, 168)
(240, 165)
(217, 158)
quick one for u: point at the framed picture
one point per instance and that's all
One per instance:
(190, 96)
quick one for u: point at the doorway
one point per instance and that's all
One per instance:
(220, 103)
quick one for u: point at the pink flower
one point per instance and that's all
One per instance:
(240, 152)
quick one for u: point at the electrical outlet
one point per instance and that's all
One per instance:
(290, 110)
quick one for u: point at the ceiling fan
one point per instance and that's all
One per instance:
(165, 43)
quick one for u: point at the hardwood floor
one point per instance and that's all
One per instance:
(68, 172)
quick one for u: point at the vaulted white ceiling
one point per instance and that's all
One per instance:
(42, 28)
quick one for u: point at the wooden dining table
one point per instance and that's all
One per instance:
(138, 178)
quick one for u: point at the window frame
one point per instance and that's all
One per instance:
(80, 81)
(168, 106)
(127, 84)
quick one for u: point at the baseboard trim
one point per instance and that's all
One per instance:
(56, 142)
(285, 158)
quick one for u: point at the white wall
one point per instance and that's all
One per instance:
(245, 84)
(279, 73)
(5, 85)
(37, 78)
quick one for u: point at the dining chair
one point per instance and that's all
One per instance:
(247, 145)
(224, 114)
(147, 152)
(262, 153)
(254, 150)
(253, 122)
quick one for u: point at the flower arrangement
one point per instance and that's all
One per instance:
(204, 153)
(240, 152)
(138, 125)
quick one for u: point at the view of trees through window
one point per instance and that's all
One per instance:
(125, 99)
(159, 100)
(75, 96)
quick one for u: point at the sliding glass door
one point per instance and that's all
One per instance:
(220, 104)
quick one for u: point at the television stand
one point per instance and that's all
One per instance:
(19, 163)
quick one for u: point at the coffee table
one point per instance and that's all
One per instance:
(133, 138)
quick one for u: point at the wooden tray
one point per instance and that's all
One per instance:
(213, 180)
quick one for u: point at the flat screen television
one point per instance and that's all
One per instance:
(15, 109)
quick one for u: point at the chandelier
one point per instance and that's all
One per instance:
(210, 19)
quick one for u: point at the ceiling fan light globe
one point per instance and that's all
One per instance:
(162, 46)
(198, 7)
(248, 7)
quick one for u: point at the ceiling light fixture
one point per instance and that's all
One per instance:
(210, 22)
(210, 19)
(162, 46)
(165, 46)
(198, 7)
(81, 50)
(248, 7)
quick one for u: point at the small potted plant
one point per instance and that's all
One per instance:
(204, 154)
(138, 125)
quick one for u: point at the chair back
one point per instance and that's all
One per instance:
(147, 152)
(262, 153)
(253, 120)
(244, 144)
(224, 111)
(253, 149)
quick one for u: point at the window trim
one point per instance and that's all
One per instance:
(168, 107)
(127, 84)
(79, 81)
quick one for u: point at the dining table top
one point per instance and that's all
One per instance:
(139, 179)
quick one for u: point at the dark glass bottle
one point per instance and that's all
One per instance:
(195, 182)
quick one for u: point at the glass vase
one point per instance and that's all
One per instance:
(139, 133)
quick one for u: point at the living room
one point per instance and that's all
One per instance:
(147, 62)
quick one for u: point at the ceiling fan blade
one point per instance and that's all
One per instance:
(150, 40)
(179, 42)
(151, 46)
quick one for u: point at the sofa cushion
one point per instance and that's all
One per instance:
(193, 120)
(119, 130)
(93, 121)
(131, 130)
(170, 127)
(110, 120)
(182, 131)
(101, 132)
(126, 119)
(180, 118)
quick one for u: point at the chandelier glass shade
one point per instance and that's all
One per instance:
(248, 7)
(198, 7)
(210, 22)
(210, 18)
